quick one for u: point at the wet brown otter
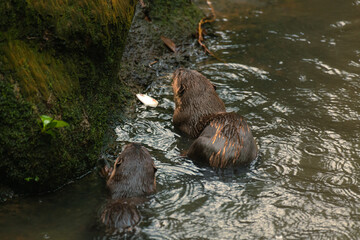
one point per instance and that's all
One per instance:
(129, 181)
(224, 139)
(195, 98)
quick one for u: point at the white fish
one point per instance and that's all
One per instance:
(147, 100)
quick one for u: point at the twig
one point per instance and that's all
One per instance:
(207, 19)
(152, 63)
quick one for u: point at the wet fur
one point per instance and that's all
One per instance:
(121, 215)
(130, 180)
(133, 174)
(225, 141)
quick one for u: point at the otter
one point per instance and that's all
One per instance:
(128, 182)
(223, 138)
(195, 97)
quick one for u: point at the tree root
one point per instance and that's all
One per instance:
(207, 19)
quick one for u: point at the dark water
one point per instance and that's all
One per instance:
(292, 68)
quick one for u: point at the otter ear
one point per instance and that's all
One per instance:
(181, 90)
(214, 86)
(118, 161)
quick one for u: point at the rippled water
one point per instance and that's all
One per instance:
(292, 68)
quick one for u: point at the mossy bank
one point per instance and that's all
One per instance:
(62, 59)
(58, 58)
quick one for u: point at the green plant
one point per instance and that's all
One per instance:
(49, 124)
(28, 179)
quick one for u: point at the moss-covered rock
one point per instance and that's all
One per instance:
(62, 58)
(58, 58)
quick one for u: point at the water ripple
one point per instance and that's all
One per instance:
(242, 70)
(296, 38)
(340, 24)
(352, 77)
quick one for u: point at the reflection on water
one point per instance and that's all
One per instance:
(292, 68)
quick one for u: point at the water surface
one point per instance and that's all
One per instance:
(292, 69)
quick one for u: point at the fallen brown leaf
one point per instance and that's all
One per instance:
(170, 44)
(147, 18)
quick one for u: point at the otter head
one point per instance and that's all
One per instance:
(195, 97)
(133, 174)
(189, 84)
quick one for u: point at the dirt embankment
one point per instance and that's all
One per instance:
(162, 38)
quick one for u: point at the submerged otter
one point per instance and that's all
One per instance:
(222, 139)
(129, 181)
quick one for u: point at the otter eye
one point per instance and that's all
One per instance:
(155, 169)
(214, 86)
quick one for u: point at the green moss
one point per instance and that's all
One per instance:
(94, 27)
(16, 141)
(55, 160)
(104, 12)
(40, 74)
(28, 153)
(177, 17)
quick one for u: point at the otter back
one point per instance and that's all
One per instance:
(225, 141)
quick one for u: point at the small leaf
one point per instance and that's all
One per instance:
(46, 120)
(28, 179)
(37, 179)
(60, 124)
(170, 44)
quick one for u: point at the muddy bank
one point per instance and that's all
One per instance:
(146, 56)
